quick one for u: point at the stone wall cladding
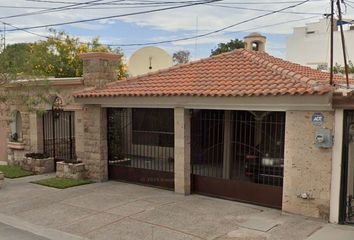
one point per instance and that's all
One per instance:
(307, 168)
(38, 166)
(71, 170)
(92, 142)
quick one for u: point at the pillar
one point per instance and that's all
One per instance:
(92, 150)
(336, 166)
(100, 68)
(36, 132)
(182, 165)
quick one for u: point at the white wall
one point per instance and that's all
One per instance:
(312, 49)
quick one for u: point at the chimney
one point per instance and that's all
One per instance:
(255, 42)
(100, 68)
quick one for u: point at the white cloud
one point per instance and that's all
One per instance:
(174, 21)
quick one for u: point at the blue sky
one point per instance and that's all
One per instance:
(170, 24)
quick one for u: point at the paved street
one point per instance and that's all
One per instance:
(115, 210)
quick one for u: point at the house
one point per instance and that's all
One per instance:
(242, 125)
(314, 40)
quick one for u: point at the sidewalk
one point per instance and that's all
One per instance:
(122, 211)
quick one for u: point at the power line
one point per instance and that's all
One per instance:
(157, 2)
(196, 36)
(218, 30)
(262, 10)
(115, 16)
(67, 7)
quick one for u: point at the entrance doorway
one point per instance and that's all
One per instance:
(347, 181)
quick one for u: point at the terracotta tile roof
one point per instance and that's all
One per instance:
(237, 73)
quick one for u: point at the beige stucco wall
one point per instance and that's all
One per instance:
(307, 168)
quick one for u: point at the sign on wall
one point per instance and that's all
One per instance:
(317, 119)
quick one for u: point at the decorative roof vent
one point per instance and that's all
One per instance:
(256, 42)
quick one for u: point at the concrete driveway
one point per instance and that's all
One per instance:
(115, 210)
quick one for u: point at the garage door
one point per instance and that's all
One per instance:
(238, 155)
(141, 146)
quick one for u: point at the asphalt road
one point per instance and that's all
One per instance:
(10, 233)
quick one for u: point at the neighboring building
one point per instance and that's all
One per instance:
(147, 60)
(310, 45)
(241, 125)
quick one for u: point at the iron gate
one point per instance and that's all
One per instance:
(347, 179)
(141, 146)
(59, 135)
(238, 155)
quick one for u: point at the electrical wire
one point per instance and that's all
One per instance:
(50, 10)
(115, 16)
(263, 10)
(192, 37)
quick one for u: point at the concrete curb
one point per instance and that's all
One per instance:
(45, 232)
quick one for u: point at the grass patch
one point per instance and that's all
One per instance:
(61, 183)
(14, 171)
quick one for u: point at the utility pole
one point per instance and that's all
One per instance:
(332, 42)
(343, 41)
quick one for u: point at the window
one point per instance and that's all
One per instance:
(153, 127)
(16, 127)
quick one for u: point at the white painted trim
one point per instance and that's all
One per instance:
(336, 166)
(260, 103)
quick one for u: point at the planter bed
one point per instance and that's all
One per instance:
(38, 163)
(71, 170)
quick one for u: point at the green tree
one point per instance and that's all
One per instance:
(15, 59)
(57, 56)
(337, 68)
(181, 57)
(227, 47)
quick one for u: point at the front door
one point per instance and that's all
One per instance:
(347, 181)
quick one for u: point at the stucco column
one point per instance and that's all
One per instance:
(93, 135)
(182, 151)
(336, 166)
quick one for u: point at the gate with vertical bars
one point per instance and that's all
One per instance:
(141, 146)
(238, 155)
(59, 135)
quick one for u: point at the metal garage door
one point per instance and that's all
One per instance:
(238, 155)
